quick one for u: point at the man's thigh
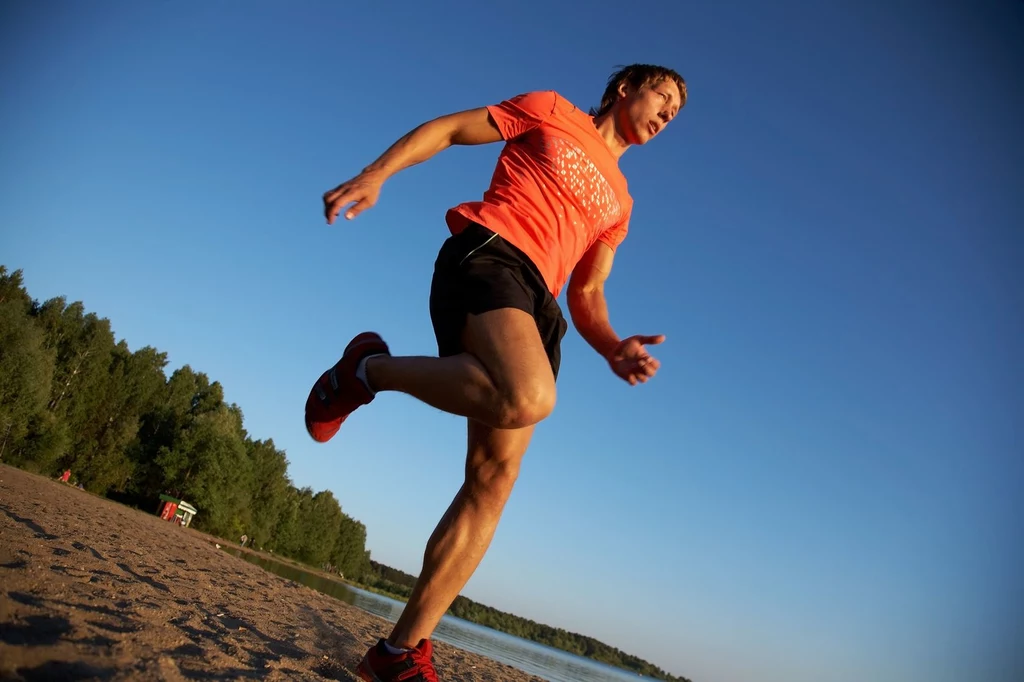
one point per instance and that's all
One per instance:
(488, 300)
(509, 346)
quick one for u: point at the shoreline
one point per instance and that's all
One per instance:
(92, 589)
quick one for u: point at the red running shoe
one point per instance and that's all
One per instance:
(338, 391)
(409, 666)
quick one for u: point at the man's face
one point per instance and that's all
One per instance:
(644, 112)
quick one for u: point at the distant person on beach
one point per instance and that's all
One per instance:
(556, 210)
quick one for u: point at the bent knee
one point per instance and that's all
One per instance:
(526, 406)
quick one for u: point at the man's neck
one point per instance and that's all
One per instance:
(605, 125)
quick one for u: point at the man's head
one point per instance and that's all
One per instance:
(642, 99)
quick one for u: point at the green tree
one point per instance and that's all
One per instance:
(130, 388)
(198, 452)
(26, 371)
(320, 519)
(162, 462)
(269, 491)
(286, 538)
(83, 345)
(349, 553)
(221, 471)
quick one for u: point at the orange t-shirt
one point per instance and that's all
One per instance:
(556, 189)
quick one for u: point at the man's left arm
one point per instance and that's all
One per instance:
(589, 311)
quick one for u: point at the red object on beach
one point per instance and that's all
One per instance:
(168, 511)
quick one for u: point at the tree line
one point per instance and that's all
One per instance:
(72, 397)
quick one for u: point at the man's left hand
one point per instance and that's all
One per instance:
(631, 361)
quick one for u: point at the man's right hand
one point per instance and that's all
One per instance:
(363, 189)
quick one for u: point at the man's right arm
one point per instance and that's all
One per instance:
(474, 126)
(471, 127)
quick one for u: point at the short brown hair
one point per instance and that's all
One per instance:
(638, 76)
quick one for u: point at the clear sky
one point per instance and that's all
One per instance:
(824, 482)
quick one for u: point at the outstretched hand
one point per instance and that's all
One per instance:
(364, 189)
(631, 361)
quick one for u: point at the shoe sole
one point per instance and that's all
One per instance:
(365, 674)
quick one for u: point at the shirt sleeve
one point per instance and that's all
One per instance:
(615, 234)
(522, 113)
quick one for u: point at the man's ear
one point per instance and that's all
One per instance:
(624, 88)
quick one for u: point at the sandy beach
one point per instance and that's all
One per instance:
(91, 589)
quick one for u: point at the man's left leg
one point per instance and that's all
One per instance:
(464, 533)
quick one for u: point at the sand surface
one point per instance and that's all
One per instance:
(93, 590)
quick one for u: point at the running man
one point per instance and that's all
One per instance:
(555, 212)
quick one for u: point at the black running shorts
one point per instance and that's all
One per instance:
(477, 271)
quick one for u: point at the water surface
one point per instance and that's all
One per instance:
(543, 661)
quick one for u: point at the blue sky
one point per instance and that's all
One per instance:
(824, 482)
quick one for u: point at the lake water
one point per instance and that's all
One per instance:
(543, 661)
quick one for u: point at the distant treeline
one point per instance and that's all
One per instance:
(398, 583)
(71, 397)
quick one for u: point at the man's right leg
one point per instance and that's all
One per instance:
(506, 382)
(480, 283)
